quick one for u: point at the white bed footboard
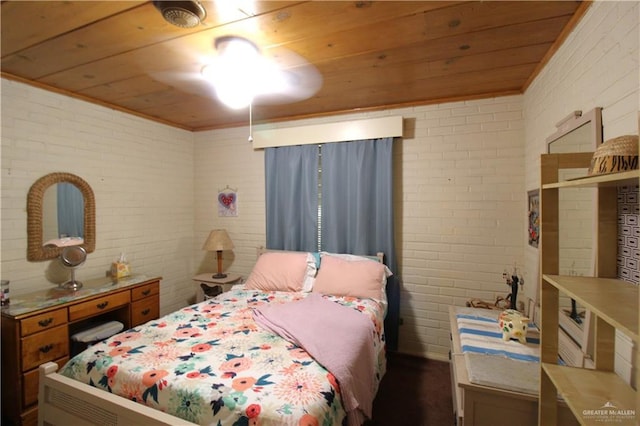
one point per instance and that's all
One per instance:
(63, 401)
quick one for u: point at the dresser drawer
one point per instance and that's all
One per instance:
(42, 347)
(145, 310)
(145, 291)
(30, 417)
(43, 322)
(95, 306)
(30, 384)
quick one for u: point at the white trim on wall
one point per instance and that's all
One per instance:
(370, 128)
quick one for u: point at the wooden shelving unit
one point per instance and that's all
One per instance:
(595, 396)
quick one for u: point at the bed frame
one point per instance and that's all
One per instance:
(64, 401)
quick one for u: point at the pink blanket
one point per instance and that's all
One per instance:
(338, 337)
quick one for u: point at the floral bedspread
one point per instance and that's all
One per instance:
(211, 364)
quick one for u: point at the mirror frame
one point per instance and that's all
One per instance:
(35, 249)
(576, 120)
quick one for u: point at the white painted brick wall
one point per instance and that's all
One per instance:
(141, 173)
(596, 66)
(459, 175)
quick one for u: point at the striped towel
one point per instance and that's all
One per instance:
(481, 334)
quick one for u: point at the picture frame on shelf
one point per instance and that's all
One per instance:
(533, 213)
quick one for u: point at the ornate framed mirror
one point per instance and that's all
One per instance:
(45, 206)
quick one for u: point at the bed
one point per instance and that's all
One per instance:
(302, 342)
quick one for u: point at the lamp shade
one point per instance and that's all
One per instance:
(218, 240)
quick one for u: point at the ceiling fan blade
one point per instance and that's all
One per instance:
(189, 82)
(298, 79)
(296, 85)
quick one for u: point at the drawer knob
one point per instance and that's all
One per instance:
(146, 292)
(146, 312)
(102, 305)
(45, 322)
(46, 348)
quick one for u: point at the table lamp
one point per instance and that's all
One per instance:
(218, 241)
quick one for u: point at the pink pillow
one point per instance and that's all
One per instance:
(340, 277)
(278, 272)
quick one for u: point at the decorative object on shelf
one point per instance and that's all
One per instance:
(120, 268)
(513, 325)
(228, 202)
(218, 241)
(573, 313)
(513, 281)
(72, 257)
(500, 304)
(534, 217)
(4, 293)
(615, 155)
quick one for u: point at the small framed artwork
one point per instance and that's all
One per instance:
(534, 217)
(228, 202)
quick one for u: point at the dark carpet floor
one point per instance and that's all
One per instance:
(414, 391)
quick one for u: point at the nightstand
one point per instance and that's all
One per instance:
(208, 280)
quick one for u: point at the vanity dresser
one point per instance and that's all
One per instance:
(36, 328)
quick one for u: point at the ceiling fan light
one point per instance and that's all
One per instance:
(236, 51)
(232, 72)
(234, 87)
(237, 97)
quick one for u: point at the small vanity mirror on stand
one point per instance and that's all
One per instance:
(72, 257)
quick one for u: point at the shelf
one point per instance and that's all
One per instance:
(613, 179)
(613, 300)
(595, 397)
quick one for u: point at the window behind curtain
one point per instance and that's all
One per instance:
(335, 197)
(346, 186)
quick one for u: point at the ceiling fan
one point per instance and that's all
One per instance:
(240, 72)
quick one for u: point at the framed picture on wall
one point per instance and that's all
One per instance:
(534, 217)
(228, 202)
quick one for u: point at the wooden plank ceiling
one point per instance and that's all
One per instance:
(370, 54)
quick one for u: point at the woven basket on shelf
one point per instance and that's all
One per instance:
(615, 155)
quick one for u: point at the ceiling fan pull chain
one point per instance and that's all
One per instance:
(250, 122)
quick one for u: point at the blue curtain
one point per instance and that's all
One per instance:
(357, 198)
(291, 175)
(357, 205)
(70, 210)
